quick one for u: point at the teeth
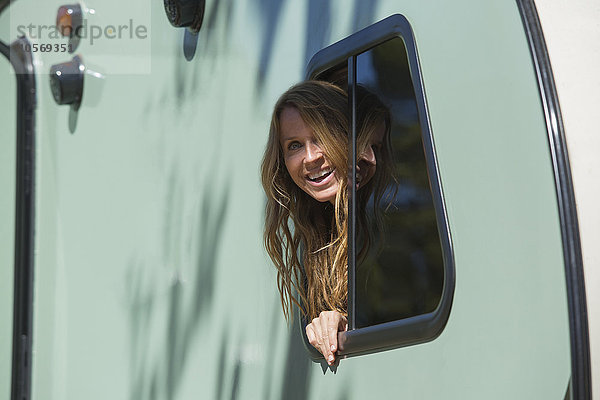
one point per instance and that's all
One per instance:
(320, 174)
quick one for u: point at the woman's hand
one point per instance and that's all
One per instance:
(322, 333)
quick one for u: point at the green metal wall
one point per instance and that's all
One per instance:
(151, 279)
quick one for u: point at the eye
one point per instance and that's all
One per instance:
(294, 146)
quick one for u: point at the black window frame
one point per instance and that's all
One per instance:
(421, 328)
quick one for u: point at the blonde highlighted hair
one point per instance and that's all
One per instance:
(307, 240)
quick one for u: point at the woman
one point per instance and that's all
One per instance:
(304, 174)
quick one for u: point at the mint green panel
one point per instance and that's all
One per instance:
(507, 335)
(8, 136)
(151, 280)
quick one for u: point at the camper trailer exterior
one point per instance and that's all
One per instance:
(131, 256)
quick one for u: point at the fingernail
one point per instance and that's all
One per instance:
(330, 359)
(332, 348)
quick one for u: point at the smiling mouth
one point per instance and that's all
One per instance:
(320, 176)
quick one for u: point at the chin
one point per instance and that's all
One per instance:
(324, 198)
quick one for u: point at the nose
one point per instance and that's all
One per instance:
(368, 156)
(313, 153)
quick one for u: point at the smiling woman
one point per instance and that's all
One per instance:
(305, 177)
(304, 174)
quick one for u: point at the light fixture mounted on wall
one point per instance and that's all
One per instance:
(186, 14)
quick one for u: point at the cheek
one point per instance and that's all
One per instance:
(369, 169)
(289, 165)
(294, 169)
(293, 163)
(370, 174)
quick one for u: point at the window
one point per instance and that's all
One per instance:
(401, 272)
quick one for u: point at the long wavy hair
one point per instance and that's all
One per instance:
(307, 240)
(376, 194)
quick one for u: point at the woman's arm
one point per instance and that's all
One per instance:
(322, 333)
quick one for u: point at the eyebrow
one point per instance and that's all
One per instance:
(287, 139)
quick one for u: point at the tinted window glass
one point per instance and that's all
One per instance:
(400, 274)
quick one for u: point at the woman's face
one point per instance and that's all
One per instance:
(367, 160)
(304, 159)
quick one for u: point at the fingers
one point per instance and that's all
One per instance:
(330, 326)
(322, 333)
(320, 336)
(337, 323)
(325, 319)
(314, 335)
(311, 335)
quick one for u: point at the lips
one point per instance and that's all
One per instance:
(321, 178)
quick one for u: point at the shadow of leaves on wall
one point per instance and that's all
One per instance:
(188, 302)
(213, 40)
(318, 28)
(157, 372)
(296, 378)
(270, 11)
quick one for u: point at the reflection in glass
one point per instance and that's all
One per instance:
(338, 75)
(399, 259)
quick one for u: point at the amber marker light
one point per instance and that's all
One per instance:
(68, 18)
